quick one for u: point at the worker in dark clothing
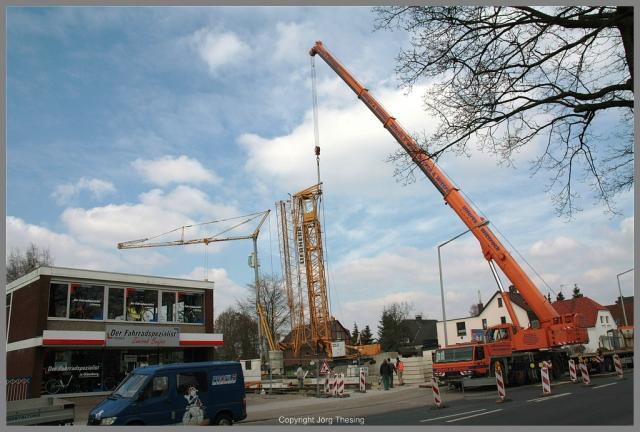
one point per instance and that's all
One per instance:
(392, 370)
(384, 373)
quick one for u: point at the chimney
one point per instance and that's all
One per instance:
(480, 306)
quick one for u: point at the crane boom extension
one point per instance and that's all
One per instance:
(492, 248)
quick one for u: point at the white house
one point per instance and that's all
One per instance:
(466, 329)
(597, 318)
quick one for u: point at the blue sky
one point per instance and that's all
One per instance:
(128, 122)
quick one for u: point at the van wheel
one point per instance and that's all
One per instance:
(223, 420)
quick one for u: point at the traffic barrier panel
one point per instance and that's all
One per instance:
(436, 393)
(327, 386)
(363, 380)
(618, 364)
(546, 383)
(584, 371)
(500, 383)
(572, 371)
(334, 385)
(341, 385)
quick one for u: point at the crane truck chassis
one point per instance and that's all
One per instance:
(511, 344)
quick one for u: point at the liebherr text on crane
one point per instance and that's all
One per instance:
(511, 344)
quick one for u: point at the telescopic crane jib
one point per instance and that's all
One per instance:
(555, 329)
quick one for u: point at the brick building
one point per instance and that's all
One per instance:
(87, 329)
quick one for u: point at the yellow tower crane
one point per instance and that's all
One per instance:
(264, 329)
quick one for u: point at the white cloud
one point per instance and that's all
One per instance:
(71, 251)
(290, 38)
(98, 188)
(167, 170)
(354, 145)
(219, 49)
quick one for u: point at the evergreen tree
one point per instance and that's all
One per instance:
(392, 330)
(549, 297)
(355, 334)
(366, 337)
(560, 296)
(576, 291)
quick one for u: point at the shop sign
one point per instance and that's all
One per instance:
(118, 335)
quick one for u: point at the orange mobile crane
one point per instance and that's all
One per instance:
(516, 347)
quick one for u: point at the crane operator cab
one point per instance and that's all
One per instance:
(501, 333)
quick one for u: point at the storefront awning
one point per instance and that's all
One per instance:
(97, 338)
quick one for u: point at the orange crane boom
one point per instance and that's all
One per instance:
(559, 329)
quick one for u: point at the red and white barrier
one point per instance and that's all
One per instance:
(436, 392)
(546, 382)
(340, 390)
(618, 364)
(363, 380)
(327, 386)
(334, 385)
(584, 371)
(572, 371)
(500, 384)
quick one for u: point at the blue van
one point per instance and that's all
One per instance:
(180, 394)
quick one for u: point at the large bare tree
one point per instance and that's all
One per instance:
(273, 298)
(20, 262)
(505, 77)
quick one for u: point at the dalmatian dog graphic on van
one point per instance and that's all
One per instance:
(194, 413)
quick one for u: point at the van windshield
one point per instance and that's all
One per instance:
(131, 385)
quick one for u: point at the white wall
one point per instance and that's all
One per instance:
(492, 313)
(604, 322)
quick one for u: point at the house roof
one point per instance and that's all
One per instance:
(334, 325)
(616, 311)
(584, 306)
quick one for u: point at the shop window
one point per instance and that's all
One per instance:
(142, 305)
(189, 307)
(188, 380)
(58, 300)
(168, 311)
(86, 302)
(116, 304)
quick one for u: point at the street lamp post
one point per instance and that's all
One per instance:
(444, 315)
(624, 313)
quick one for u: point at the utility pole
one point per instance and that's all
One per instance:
(624, 313)
(444, 315)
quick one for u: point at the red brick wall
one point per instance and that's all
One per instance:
(26, 363)
(29, 310)
(208, 311)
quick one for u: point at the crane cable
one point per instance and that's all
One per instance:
(504, 237)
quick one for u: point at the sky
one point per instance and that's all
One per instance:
(125, 123)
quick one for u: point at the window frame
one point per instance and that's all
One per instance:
(107, 286)
(500, 302)
(464, 328)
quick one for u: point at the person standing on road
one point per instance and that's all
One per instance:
(384, 373)
(392, 369)
(300, 375)
(399, 370)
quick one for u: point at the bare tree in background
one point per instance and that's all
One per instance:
(273, 297)
(508, 77)
(240, 332)
(19, 262)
